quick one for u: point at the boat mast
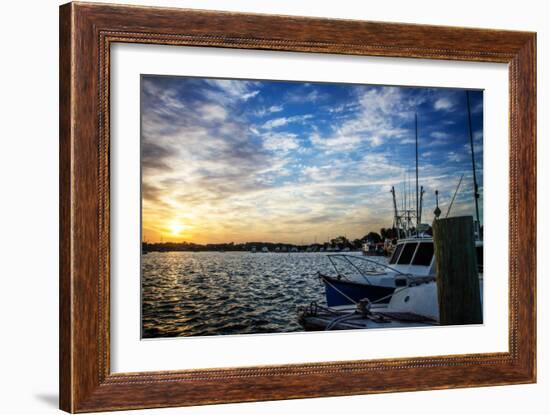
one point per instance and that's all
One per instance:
(410, 216)
(405, 190)
(396, 220)
(421, 200)
(392, 191)
(416, 154)
(476, 189)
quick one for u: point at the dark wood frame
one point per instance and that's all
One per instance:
(86, 33)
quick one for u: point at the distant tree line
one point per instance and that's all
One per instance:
(230, 246)
(340, 242)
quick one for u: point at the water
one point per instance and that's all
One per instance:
(213, 293)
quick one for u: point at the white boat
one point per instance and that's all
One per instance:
(406, 286)
(412, 262)
(409, 306)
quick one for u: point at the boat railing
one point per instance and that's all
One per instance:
(377, 268)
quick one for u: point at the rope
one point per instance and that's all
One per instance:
(341, 293)
(397, 290)
(339, 320)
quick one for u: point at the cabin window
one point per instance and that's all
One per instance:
(396, 253)
(424, 254)
(407, 254)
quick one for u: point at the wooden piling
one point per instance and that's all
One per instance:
(456, 270)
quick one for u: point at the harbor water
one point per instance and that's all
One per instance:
(221, 293)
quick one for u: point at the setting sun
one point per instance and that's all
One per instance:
(176, 227)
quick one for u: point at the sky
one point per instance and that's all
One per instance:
(297, 162)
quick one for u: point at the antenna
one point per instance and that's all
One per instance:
(476, 189)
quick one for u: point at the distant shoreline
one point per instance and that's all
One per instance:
(260, 247)
(340, 243)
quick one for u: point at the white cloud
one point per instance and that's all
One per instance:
(478, 148)
(378, 113)
(331, 174)
(443, 104)
(279, 122)
(306, 95)
(270, 110)
(280, 141)
(337, 109)
(227, 91)
(311, 171)
(337, 142)
(440, 138)
(213, 112)
(274, 123)
(168, 97)
(455, 157)
(275, 108)
(247, 96)
(478, 108)
(312, 96)
(439, 135)
(375, 141)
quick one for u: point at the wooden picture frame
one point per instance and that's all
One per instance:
(86, 33)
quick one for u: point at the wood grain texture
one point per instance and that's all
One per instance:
(86, 33)
(65, 246)
(456, 270)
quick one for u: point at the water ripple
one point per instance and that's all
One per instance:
(213, 293)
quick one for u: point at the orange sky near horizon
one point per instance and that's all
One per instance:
(292, 162)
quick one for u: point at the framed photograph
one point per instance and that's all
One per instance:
(258, 207)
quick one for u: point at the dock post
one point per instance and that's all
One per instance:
(456, 271)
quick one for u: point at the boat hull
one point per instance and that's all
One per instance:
(341, 292)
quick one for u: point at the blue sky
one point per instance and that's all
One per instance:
(241, 160)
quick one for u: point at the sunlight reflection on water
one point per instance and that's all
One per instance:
(211, 293)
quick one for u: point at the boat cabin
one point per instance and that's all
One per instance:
(416, 256)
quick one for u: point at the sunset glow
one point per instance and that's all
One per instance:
(242, 161)
(176, 227)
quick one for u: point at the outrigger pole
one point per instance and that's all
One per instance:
(476, 189)
(396, 220)
(454, 195)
